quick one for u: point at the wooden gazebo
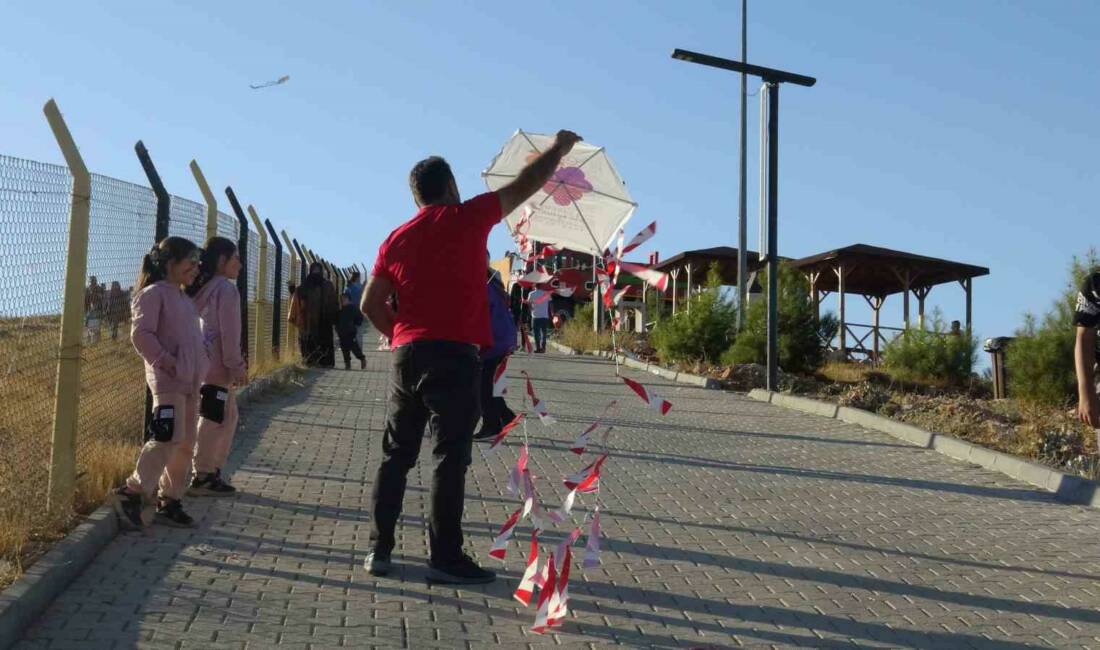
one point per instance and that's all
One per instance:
(683, 267)
(876, 273)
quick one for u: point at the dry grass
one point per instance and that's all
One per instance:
(108, 435)
(578, 336)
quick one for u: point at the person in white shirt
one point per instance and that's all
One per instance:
(539, 300)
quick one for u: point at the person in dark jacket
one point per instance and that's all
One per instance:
(347, 328)
(313, 309)
(494, 410)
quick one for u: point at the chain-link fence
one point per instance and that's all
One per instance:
(35, 203)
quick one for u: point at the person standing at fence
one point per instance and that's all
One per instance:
(166, 333)
(354, 292)
(539, 299)
(219, 305)
(494, 410)
(118, 309)
(93, 310)
(313, 311)
(435, 266)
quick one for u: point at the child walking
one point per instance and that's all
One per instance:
(165, 331)
(219, 305)
(347, 328)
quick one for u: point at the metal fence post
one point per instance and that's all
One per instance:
(164, 207)
(242, 278)
(261, 291)
(67, 401)
(277, 290)
(208, 198)
(303, 264)
(292, 275)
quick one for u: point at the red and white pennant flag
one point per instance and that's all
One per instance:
(577, 480)
(515, 481)
(591, 483)
(581, 442)
(640, 238)
(500, 379)
(527, 582)
(655, 278)
(651, 399)
(537, 405)
(504, 432)
(500, 544)
(531, 505)
(548, 587)
(592, 547)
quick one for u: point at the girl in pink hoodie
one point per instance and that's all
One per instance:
(219, 305)
(165, 330)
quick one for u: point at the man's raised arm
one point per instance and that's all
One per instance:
(536, 174)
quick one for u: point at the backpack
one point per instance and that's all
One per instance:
(501, 323)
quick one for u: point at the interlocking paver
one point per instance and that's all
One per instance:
(728, 523)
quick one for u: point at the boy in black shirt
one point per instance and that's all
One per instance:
(347, 325)
(1087, 319)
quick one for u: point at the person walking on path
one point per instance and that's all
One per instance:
(539, 300)
(1086, 318)
(347, 328)
(435, 265)
(494, 410)
(94, 298)
(313, 311)
(219, 305)
(166, 333)
(354, 292)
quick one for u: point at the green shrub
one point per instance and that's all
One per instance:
(576, 333)
(701, 332)
(1040, 361)
(801, 337)
(922, 355)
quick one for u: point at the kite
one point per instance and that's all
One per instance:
(267, 84)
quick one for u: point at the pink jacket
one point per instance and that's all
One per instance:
(165, 324)
(219, 305)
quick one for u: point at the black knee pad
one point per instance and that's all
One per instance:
(163, 424)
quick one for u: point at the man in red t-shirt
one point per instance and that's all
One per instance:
(435, 265)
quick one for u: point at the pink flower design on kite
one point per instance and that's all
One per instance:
(568, 184)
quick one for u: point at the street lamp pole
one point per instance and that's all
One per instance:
(772, 78)
(742, 225)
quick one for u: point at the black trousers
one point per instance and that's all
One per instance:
(494, 410)
(349, 346)
(434, 383)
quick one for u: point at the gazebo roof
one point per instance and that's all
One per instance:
(876, 271)
(701, 259)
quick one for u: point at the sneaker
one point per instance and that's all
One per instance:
(507, 416)
(210, 485)
(463, 572)
(128, 507)
(363, 363)
(377, 564)
(170, 513)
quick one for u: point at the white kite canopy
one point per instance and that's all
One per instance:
(581, 208)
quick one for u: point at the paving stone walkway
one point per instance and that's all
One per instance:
(728, 523)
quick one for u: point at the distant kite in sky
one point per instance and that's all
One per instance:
(267, 84)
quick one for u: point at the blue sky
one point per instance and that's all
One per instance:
(964, 130)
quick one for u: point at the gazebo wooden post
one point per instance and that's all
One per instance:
(687, 292)
(841, 272)
(921, 293)
(968, 287)
(675, 273)
(876, 303)
(815, 295)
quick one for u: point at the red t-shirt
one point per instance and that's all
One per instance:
(436, 260)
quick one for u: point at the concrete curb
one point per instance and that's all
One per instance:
(33, 592)
(1066, 487)
(30, 595)
(637, 364)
